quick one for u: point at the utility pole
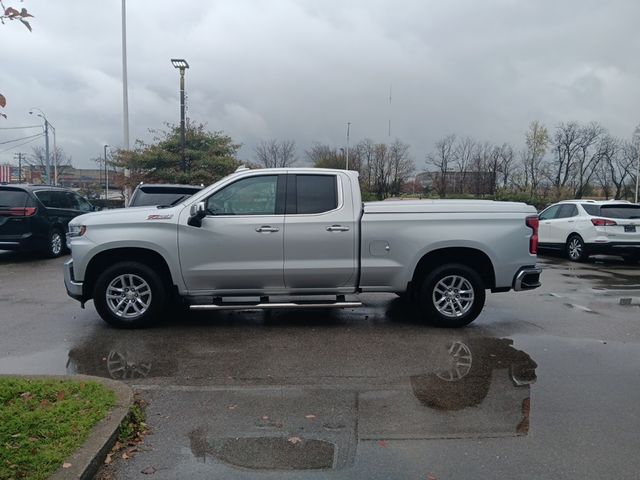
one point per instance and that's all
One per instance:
(181, 64)
(106, 175)
(348, 129)
(125, 99)
(20, 155)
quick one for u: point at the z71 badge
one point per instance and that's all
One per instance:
(159, 217)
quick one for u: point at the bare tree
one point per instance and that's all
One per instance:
(588, 156)
(506, 164)
(58, 159)
(276, 153)
(441, 158)
(537, 141)
(463, 153)
(566, 142)
(401, 166)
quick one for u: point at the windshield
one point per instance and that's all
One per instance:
(620, 211)
(10, 197)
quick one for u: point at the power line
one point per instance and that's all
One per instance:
(20, 128)
(24, 143)
(19, 139)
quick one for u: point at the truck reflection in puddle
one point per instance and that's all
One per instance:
(438, 385)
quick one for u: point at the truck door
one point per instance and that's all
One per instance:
(238, 247)
(320, 232)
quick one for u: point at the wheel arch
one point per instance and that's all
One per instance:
(472, 257)
(106, 258)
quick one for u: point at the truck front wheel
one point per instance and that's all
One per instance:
(452, 295)
(129, 295)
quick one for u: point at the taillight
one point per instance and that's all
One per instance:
(533, 222)
(19, 212)
(602, 222)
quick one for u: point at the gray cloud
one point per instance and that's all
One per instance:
(302, 69)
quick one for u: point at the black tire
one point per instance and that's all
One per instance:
(141, 290)
(575, 249)
(56, 244)
(461, 308)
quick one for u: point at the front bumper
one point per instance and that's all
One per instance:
(74, 289)
(527, 278)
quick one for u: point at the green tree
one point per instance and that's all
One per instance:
(209, 156)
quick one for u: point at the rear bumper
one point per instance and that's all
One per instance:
(74, 289)
(614, 248)
(18, 242)
(527, 278)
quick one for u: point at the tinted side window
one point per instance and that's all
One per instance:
(550, 212)
(79, 203)
(45, 197)
(316, 193)
(249, 196)
(567, 211)
(591, 209)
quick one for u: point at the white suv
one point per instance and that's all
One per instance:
(585, 227)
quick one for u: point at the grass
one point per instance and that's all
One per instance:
(43, 421)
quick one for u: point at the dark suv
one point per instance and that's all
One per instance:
(35, 217)
(149, 194)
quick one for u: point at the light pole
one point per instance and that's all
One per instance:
(636, 138)
(348, 129)
(106, 175)
(181, 64)
(47, 125)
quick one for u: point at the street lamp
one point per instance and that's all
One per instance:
(106, 176)
(636, 138)
(181, 64)
(47, 125)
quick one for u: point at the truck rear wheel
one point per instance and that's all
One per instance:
(129, 295)
(452, 295)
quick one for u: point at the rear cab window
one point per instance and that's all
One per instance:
(315, 194)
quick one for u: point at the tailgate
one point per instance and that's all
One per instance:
(627, 219)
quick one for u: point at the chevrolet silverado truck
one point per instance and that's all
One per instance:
(299, 238)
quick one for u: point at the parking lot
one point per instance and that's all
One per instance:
(545, 384)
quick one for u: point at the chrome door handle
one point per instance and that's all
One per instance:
(267, 229)
(337, 228)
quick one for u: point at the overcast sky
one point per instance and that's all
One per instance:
(302, 69)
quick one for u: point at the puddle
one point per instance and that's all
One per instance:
(47, 362)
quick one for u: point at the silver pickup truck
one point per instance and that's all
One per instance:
(287, 238)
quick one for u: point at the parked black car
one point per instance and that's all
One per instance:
(148, 194)
(35, 217)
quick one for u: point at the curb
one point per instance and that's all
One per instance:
(88, 458)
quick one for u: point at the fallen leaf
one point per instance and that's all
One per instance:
(232, 407)
(382, 443)
(44, 403)
(60, 396)
(125, 456)
(265, 417)
(26, 396)
(294, 440)
(108, 459)
(431, 476)
(310, 417)
(66, 465)
(149, 470)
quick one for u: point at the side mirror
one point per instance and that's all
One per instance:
(196, 214)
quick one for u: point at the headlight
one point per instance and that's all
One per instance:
(76, 230)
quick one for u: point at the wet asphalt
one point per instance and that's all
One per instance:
(544, 384)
